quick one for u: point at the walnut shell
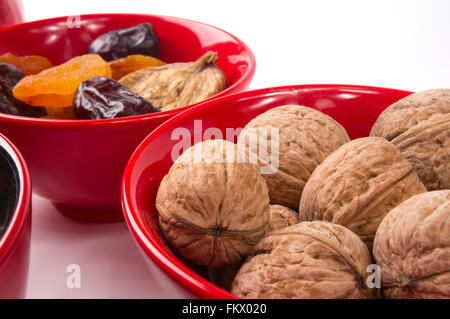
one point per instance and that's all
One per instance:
(412, 248)
(358, 185)
(215, 210)
(306, 138)
(419, 125)
(306, 260)
(281, 217)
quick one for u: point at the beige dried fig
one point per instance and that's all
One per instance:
(419, 125)
(178, 84)
(358, 185)
(305, 138)
(306, 260)
(213, 206)
(412, 248)
(281, 217)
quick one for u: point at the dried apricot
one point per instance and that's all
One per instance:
(30, 64)
(131, 63)
(56, 87)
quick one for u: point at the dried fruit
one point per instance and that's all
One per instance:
(124, 66)
(179, 84)
(412, 248)
(358, 184)
(103, 98)
(30, 64)
(419, 125)
(307, 260)
(9, 76)
(56, 87)
(281, 217)
(213, 206)
(305, 138)
(140, 39)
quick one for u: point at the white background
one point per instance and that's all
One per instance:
(398, 44)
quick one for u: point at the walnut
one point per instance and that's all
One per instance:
(419, 125)
(305, 138)
(358, 185)
(412, 248)
(213, 210)
(281, 217)
(306, 260)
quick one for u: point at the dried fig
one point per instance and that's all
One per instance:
(213, 206)
(412, 248)
(307, 260)
(419, 125)
(281, 217)
(305, 138)
(358, 185)
(178, 84)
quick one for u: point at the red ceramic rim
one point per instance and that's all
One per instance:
(22, 210)
(249, 72)
(157, 252)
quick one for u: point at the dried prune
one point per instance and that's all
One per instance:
(30, 64)
(56, 87)
(124, 66)
(140, 39)
(103, 98)
(9, 76)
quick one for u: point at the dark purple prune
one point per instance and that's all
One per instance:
(140, 39)
(103, 98)
(9, 76)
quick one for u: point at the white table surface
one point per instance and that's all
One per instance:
(398, 44)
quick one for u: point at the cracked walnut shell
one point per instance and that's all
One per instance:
(412, 248)
(306, 260)
(358, 185)
(419, 125)
(305, 138)
(213, 206)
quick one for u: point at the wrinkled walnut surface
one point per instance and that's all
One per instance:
(306, 260)
(213, 212)
(281, 217)
(306, 138)
(419, 125)
(412, 248)
(358, 185)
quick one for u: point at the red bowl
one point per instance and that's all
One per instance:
(15, 242)
(78, 165)
(11, 12)
(355, 107)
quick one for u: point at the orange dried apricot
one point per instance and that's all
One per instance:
(56, 87)
(29, 64)
(131, 63)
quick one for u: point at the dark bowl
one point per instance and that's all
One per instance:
(16, 216)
